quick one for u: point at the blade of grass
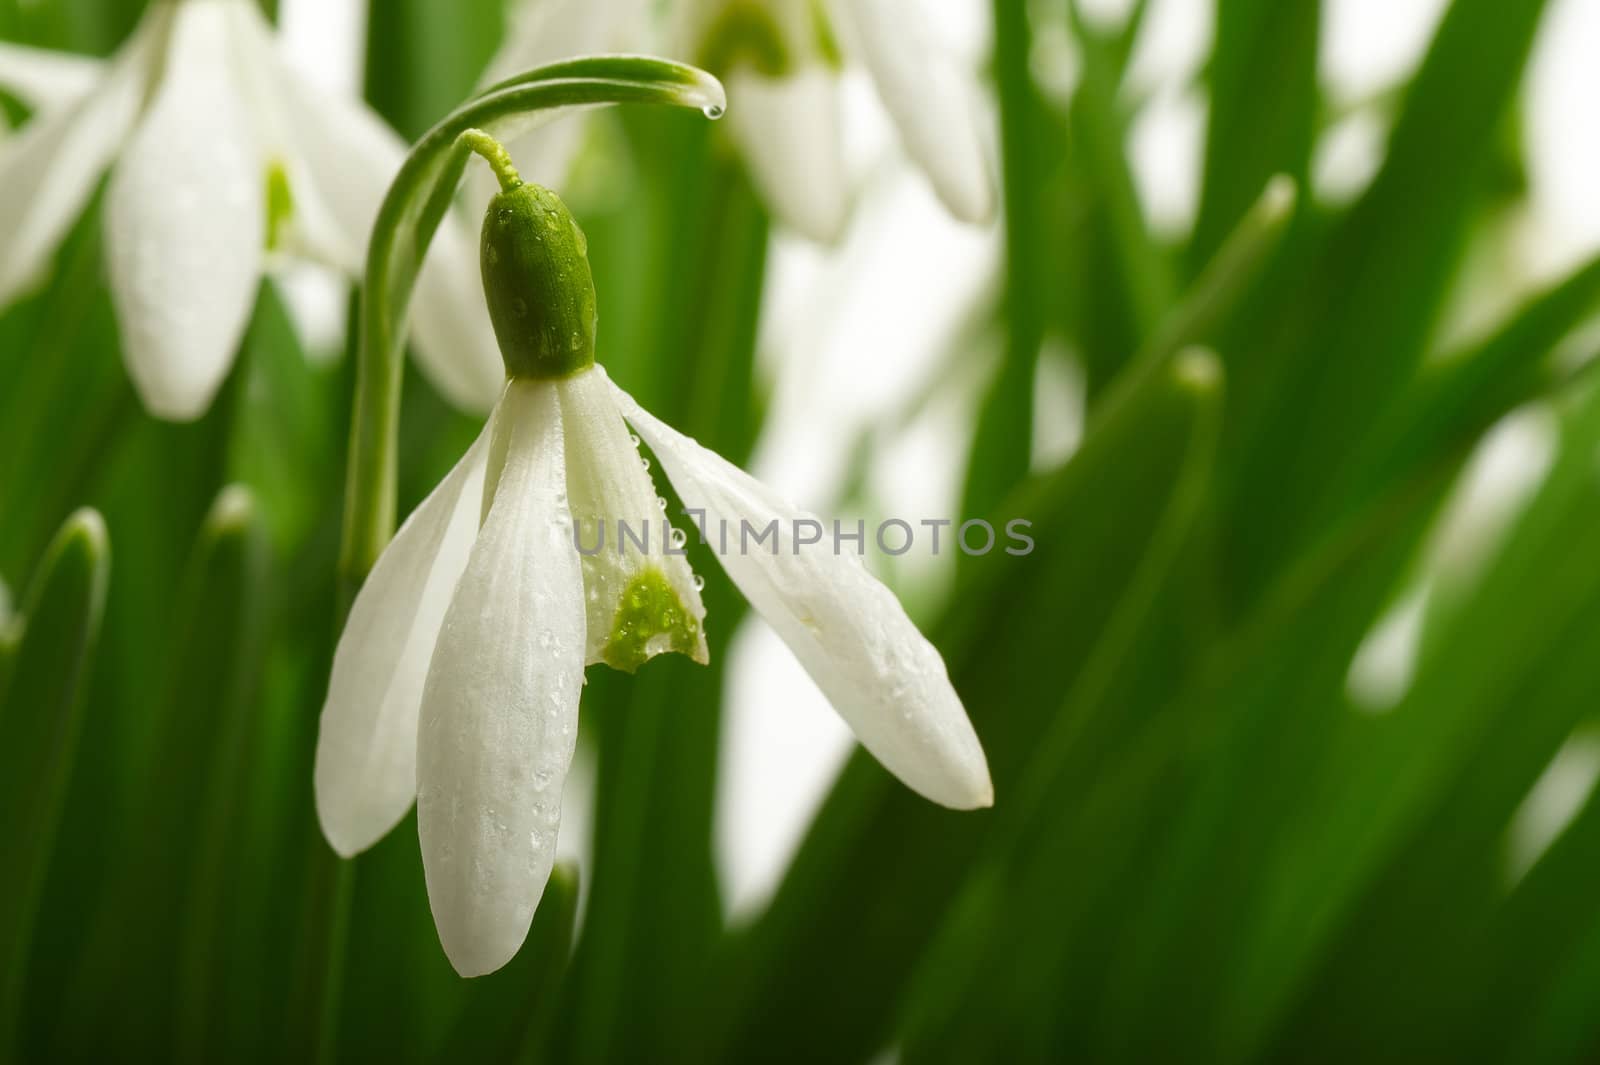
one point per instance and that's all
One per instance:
(42, 709)
(1262, 79)
(1004, 433)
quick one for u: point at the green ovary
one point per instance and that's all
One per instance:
(650, 620)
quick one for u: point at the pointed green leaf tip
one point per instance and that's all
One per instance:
(650, 619)
(537, 282)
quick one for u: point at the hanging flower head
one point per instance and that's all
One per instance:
(782, 61)
(457, 679)
(222, 162)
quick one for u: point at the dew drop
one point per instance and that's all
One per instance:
(679, 538)
(634, 437)
(712, 111)
(661, 503)
(699, 583)
(644, 462)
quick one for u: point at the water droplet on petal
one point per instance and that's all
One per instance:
(644, 461)
(678, 538)
(634, 438)
(699, 583)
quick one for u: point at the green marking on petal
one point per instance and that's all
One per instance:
(827, 40)
(744, 33)
(280, 205)
(650, 619)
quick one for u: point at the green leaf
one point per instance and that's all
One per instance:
(42, 710)
(1004, 433)
(1254, 131)
(218, 666)
(149, 956)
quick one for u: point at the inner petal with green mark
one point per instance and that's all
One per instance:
(650, 619)
(641, 597)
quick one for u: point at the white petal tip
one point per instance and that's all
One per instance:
(346, 842)
(971, 790)
(351, 822)
(1279, 197)
(480, 959)
(174, 402)
(971, 200)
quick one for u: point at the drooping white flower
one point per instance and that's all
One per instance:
(781, 61)
(223, 162)
(457, 678)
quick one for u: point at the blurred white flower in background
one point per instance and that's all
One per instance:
(224, 164)
(782, 62)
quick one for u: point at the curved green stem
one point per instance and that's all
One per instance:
(494, 153)
(417, 201)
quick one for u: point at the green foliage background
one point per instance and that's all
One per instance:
(1199, 850)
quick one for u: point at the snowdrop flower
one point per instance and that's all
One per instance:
(457, 678)
(223, 162)
(781, 61)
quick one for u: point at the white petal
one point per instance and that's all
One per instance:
(848, 630)
(41, 77)
(185, 223)
(351, 156)
(366, 766)
(500, 709)
(50, 169)
(788, 129)
(932, 101)
(608, 487)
